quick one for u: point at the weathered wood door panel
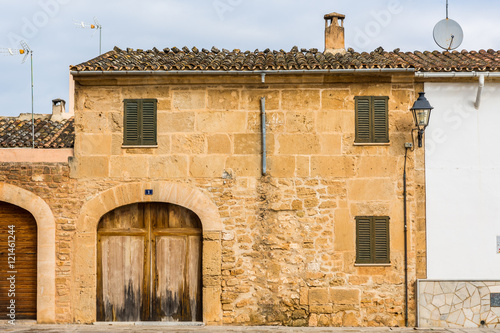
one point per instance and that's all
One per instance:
(18, 247)
(149, 264)
(123, 277)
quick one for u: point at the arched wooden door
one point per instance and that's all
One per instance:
(18, 259)
(149, 264)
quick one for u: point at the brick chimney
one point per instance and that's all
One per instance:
(334, 33)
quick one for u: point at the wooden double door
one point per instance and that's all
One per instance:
(149, 264)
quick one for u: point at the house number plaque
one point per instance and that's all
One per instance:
(148, 192)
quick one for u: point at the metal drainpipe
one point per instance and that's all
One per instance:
(405, 239)
(479, 91)
(263, 131)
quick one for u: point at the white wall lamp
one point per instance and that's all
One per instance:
(421, 113)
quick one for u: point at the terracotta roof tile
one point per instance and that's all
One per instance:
(186, 59)
(15, 133)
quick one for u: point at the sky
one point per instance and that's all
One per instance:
(50, 29)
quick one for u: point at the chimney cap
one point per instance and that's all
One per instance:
(334, 15)
(58, 100)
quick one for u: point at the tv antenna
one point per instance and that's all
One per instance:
(448, 34)
(96, 25)
(27, 52)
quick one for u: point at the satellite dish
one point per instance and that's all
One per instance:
(448, 34)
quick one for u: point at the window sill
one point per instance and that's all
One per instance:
(135, 147)
(373, 265)
(372, 144)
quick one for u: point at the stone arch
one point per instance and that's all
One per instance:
(85, 262)
(46, 247)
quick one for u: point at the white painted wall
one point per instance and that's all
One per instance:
(463, 181)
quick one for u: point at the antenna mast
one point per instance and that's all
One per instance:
(26, 51)
(95, 25)
(446, 9)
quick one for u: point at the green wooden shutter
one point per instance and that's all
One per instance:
(148, 135)
(362, 119)
(363, 240)
(380, 121)
(372, 240)
(139, 122)
(381, 239)
(131, 122)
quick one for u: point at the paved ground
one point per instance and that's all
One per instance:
(30, 327)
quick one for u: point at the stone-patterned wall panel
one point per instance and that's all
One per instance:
(457, 304)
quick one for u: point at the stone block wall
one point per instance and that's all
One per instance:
(287, 244)
(51, 183)
(458, 304)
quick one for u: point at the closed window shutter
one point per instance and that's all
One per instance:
(380, 121)
(149, 122)
(131, 123)
(363, 239)
(363, 119)
(372, 240)
(381, 246)
(139, 122)
(372, 125)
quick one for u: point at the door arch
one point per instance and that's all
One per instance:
(149, 264)
(46, 247)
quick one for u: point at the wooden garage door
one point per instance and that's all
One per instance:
(149, 264)
(18, 261)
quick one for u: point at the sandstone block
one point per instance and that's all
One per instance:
(247, 143)
(345, 296)
(336, 99)
(163, 144)
(221, 122)
(329, 121)
(275, 122)
(94, 144)
(164, 104)
(211, 304)
(211, 258)
(245, 165)
(219, 144)
(331, 144)
(91, 166)
(92, 122)
(376, 166)
(300, 100)
(250, 99)
(345, 230)
(374, 89)
(298, 144)
(223, 99)
(207, 166)
(303, 165)
(332, 166)
(188, 144)
(299, 122)
(172, 122)
(281, 166)
(188, 99)
(321, 309)
(350, 319)
(371, 189)
(168, 167)
(304, 296)
(319, 296)
(401, 99)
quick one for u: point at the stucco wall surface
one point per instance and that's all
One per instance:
(462, 180)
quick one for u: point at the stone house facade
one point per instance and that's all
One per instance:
(315, 236)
